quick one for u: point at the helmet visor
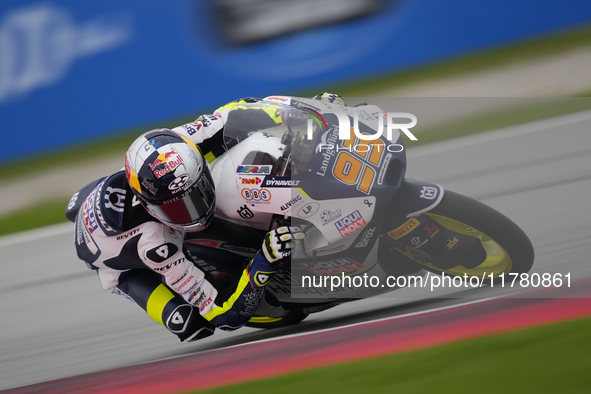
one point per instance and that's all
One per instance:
(190, 212)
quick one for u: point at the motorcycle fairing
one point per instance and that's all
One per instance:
(339, 213)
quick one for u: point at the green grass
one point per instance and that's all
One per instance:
(547, 359)
(41, 215)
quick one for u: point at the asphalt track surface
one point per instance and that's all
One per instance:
(57, 322)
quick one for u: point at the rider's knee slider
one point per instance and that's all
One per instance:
(188, 324)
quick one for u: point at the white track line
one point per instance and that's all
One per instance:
(36, 234)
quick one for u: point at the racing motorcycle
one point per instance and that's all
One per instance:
(285, 164)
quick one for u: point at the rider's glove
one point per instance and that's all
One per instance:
(278, 243)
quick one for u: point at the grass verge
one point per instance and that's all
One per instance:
(38, 216)
(546, 359)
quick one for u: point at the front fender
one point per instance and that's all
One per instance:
(413, 198)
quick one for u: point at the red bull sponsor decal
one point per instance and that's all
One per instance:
(254, 169)
(165, 163)
(350, 223)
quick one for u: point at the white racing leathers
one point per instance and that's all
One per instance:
(143, 259)
(149, 245)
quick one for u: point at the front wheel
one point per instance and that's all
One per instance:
(508, 249)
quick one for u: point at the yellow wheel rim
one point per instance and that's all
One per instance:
(497, 260)
(264, 319)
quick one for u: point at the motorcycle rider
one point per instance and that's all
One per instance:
(130, 226)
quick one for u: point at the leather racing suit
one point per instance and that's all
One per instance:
(146, 261)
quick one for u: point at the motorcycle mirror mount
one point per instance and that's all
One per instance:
(287, 137)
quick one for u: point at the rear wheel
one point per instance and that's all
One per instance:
(508, 249)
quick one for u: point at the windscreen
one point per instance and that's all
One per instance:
(297, 129)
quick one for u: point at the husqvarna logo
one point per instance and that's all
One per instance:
(428, 192)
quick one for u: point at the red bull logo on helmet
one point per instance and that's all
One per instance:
(170, 161)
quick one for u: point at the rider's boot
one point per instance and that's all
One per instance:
(429, 242)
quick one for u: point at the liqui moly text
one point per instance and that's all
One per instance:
(350, 223)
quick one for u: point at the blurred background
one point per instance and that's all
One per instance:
(79, 80)
(72, 71)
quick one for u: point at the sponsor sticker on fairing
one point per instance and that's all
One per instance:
(287, 206)
(366, 238)
(254, 169)
(278, 99)
(350, 224)
(404, 229)
(280, 181)
(256, 195)
(328, 216)
(251, 180)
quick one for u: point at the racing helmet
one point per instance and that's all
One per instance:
(171, 179)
